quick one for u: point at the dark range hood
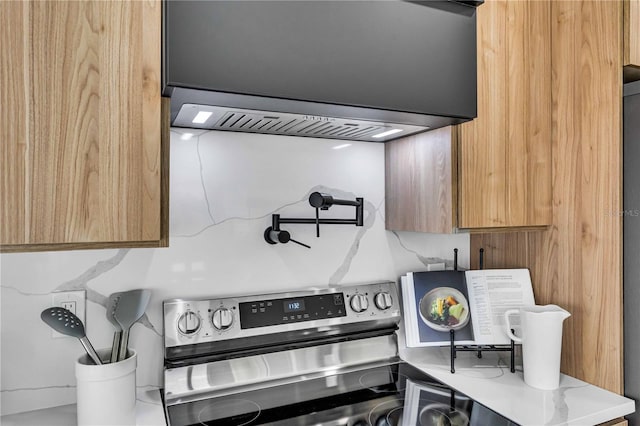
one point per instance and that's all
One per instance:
(353, 70)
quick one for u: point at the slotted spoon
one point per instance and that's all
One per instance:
(65, 322)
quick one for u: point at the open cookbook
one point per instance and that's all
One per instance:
(472, 303)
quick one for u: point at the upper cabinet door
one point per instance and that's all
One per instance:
(492, 173)
(81, 125)
(631, 12)
(504, 162)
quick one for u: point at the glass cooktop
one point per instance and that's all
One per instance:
(396, 394)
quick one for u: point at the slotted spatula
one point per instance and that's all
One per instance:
(65, 322)
(129, 309)
(112, 302)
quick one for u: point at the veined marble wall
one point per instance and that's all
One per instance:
(224, 188)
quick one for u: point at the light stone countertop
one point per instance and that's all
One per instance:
(488, 381)
(149, 412)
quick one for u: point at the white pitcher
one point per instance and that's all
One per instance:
(541, 343)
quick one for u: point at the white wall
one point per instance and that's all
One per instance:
(224, 188)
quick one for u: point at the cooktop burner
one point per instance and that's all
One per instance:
(429, 413)
(390, 395)
(386, 413)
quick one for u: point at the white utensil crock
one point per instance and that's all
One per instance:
(541, 340)
(106, 393)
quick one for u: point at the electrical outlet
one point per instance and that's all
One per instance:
(70, 305)
(73, 301)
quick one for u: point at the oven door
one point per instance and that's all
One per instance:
(345, 398)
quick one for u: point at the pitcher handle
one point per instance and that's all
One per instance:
(509, 332)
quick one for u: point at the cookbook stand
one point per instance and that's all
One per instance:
(477, 348)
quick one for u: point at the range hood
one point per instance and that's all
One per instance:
(352, 70)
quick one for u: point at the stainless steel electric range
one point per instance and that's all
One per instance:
(318, 357)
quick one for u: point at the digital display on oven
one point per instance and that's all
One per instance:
(296, 305)
(289, 310)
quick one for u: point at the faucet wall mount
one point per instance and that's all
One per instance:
(274, 234)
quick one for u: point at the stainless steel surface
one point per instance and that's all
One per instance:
(129, 309)
(288, 124)
(112, 302)
(222, 377)
(209, 330)
(348, 398)
(90, 350)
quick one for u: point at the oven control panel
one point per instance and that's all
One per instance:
(188, 322)
(291, 309)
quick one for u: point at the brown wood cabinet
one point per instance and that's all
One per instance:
(631, 16)
(501, 161)
(82, 158)
(577, 262)
(420, 182)
(504, 164)
(616, 422)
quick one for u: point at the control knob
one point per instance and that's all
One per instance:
(189, 323)
(222, 318)
(383, 300)
(359, 303)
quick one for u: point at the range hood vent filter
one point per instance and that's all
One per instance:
(252, 121)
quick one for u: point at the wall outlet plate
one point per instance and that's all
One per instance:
(75, 301)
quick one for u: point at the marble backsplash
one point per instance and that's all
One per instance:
(224, 189)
